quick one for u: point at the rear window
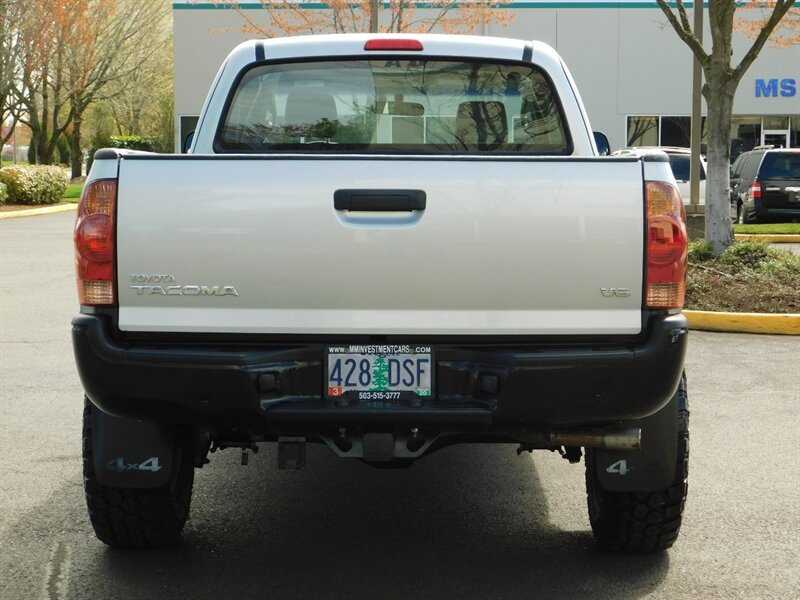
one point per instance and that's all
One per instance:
(780, 165)
(737, 166)
(681, 166)
(394, 105)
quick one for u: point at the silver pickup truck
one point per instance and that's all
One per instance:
(386, 244)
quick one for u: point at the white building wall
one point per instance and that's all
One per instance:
(626, 61)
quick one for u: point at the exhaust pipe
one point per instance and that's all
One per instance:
(615, 439)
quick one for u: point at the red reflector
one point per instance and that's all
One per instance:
(93, 238)
(392, 44)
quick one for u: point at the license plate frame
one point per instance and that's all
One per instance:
(405, 373)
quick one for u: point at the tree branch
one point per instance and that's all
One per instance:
(781, 8)
(684, 30)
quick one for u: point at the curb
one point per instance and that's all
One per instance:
(775, 238)
(45, 210)
(783, 324)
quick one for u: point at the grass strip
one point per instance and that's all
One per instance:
(73, 192)
(768, 228)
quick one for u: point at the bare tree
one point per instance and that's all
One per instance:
(140, 101)
(757, 14)
(39, 42)
(110, 47)
(11, 13)
(67, 54)
(287, 17)
(721, 81)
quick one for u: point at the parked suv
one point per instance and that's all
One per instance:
(769, 185)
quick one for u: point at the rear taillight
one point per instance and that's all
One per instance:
(667, 247)
(94, 243)
(754, 193)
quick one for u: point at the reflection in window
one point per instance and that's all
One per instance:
(395, 104)
(776, 122)
(676, 131)
(642, 131)
(745, 134)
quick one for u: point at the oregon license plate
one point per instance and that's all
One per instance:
(379, 371)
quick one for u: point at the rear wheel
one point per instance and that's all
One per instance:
(641, 522)
(742, 215)
(137, 518)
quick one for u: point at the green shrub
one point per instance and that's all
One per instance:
(3, 192)
(31, 184)
(745, 255)
(699, 252)
(126, 142)
(783, 265)
(134, 142)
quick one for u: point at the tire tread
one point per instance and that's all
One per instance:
(641, 522)
(134, 518)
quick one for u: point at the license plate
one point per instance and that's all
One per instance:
(379, 372)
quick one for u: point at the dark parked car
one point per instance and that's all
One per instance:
(769, 185)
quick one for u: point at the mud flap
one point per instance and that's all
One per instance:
(653, 467)
(130, 453)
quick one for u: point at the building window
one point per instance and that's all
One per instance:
(776, 132)
(780, 123)
(663, 131)
(676, 131)
(745, 135)
(794, 134)
(642, 131)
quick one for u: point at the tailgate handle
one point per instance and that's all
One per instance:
(379, 200)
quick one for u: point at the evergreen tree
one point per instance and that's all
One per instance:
(380, 375)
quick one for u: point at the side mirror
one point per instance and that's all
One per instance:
(601, 141)
(187, 142)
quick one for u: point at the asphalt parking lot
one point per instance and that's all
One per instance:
(468, 522)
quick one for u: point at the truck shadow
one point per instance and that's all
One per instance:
(468, 522)
(463, 523)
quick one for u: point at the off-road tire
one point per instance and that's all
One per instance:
(137, 518)
(641, 522)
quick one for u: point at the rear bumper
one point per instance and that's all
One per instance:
(776, 213)
(270, 387)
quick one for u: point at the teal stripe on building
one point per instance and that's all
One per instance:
(591, 4)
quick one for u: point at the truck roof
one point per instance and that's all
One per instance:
(352, 44)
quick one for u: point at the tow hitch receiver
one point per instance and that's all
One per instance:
(379, 446)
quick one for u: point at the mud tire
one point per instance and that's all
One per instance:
(641, 522)
(137, 518)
